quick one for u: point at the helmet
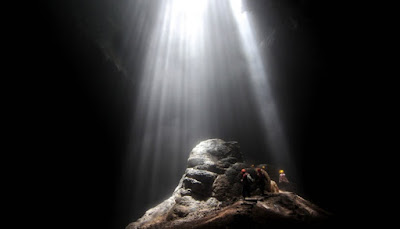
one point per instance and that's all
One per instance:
(243, 170)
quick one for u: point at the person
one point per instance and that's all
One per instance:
(263, 181)
(246, 181)
(282, 177)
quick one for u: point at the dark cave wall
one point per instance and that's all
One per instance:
(87, 99)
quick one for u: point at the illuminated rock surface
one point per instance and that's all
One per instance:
(209, 196)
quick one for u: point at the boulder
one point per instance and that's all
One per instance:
(209, 196)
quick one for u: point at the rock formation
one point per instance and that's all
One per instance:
(209, 196)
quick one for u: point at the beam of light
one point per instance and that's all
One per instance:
(173, 91)
(271, 122)
(203, 77)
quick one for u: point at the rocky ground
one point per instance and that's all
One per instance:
(209, 196)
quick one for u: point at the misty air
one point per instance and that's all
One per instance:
(193, 113)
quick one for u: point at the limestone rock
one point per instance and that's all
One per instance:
(209, 195)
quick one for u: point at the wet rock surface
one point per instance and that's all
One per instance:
(209, 196)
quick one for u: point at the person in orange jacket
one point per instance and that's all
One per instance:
(263, 180)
